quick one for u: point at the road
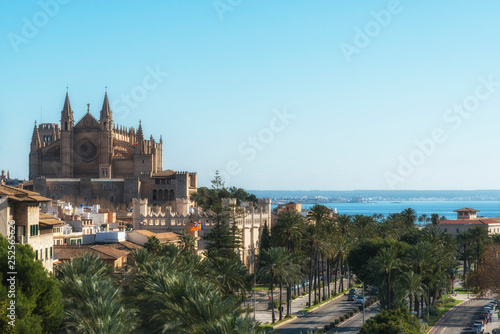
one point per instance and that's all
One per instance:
(354, 324)
(461, 320)
(318, 317)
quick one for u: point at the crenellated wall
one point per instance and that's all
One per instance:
(249, 221)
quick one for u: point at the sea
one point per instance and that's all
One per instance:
(442, 208)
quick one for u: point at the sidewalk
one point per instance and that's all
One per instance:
(264, 315)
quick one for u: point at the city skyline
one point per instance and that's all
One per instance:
(326, 96)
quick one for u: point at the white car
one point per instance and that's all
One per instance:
(360, 300)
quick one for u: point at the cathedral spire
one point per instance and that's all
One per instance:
(67, 111)
(67, 115)
(35, 138)
(106, 110)
(139, 135)
(106, 118)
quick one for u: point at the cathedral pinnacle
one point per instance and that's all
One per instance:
(106, 110)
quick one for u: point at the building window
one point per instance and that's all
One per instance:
(157, 181)
(33, 230)
(446, 230)
(36, 255)
(46, 253)
(61, 187)
(458, 230)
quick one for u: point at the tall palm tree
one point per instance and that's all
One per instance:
(386, 262)
(232, 275)
(188, 243)
(94, 305)
(413, 284)
(480, 237)
(289, 230)
(409, 216)
(88, 265)
(313, 238)
(344, 223)
(320, 215)
(420, 258)
(153, 245)
(273, 264)
(464, 240)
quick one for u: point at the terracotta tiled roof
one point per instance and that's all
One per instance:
(21, 195)
(130, 245)
(163, 173)
(145, 233)
(49, 220)
(466, 210)
(104, 252)
(478, 221)
(163, 237)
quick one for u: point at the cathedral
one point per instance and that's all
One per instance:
(95, 158)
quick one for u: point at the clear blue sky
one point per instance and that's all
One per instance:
(230, 71)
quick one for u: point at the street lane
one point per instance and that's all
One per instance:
(318, 317)
(353, 325)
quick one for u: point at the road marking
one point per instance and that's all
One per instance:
(441, 332)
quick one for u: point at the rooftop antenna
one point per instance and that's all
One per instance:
(88, 108)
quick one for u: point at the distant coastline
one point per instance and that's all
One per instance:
(364, 196)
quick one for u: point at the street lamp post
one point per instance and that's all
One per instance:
(364, 302)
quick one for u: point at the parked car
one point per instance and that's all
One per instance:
(351, 296)
(353, 290)
(360, 300)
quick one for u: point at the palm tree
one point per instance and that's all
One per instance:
(88, 265)
(320, 215)
(413, 284)
(344, 223)
(409, 216)
(419, 259)
(153, 245)
(289, 230)
(386, 262)
(232, 275)
(188, 243)
(95, 306)
(435, 219)
(273, 262)
(479, 235)
(464, 239)
(312, 240)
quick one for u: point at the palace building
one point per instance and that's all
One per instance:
(96, 158)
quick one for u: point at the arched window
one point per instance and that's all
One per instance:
(160, 194)
(172, 195)
(155, 195)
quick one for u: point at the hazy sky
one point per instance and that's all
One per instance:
(288, 94)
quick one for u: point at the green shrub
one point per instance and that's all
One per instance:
(341, 318)
(346, 316)
(327, 327)
(337, 321)
(355, 310)
(351, 313)
(303, 293)
(294, 297)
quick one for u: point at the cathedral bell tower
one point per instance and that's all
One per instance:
(67, 123)
(106, 139)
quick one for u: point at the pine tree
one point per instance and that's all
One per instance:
(223, 239)
(265, 238)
